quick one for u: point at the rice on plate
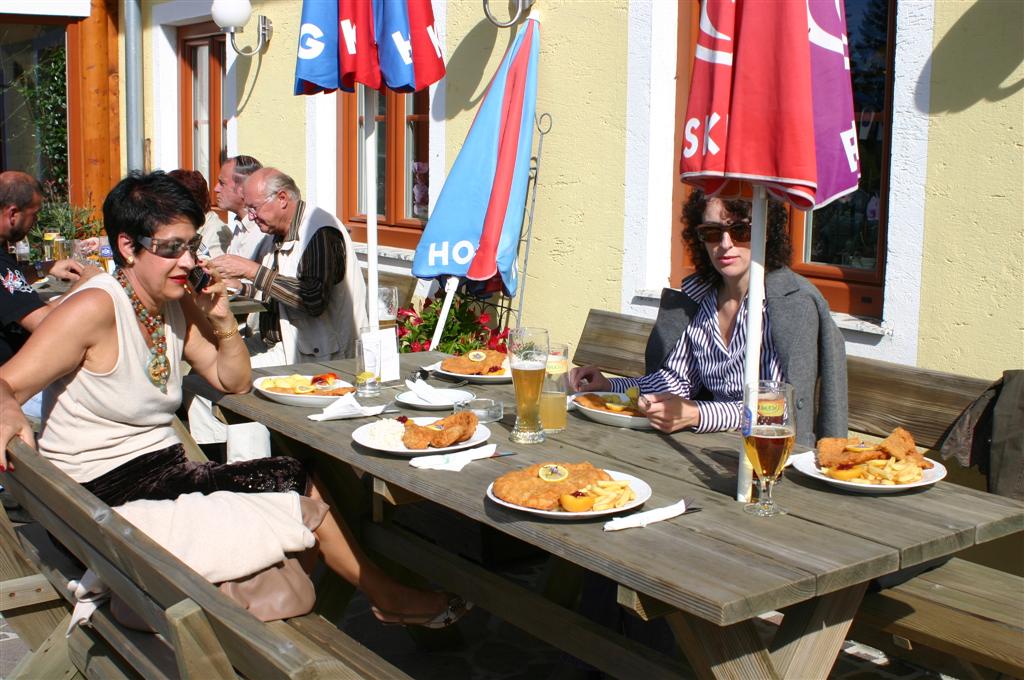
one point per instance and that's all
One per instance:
(386, 434)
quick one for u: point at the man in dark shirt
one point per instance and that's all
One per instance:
(21, 308)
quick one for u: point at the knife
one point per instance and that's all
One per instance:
(499, 454)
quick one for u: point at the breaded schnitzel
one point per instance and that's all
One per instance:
(449, 431)
(834, 452)
(525, 487)
(490, 364)
(599, 403)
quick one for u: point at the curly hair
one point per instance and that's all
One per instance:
(777, 249)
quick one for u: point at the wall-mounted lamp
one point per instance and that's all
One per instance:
(233, 15)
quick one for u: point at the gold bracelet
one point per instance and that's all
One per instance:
(224, 335)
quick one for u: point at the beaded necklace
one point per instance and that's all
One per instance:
(157, 368)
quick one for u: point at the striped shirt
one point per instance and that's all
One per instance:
(701, 362)
(321, 267)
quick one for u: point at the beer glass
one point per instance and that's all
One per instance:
(528, 355)
(387, 306)
(768, 436)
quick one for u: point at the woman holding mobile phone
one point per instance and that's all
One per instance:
(110, 357)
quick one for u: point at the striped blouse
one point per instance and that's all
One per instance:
(701, 361)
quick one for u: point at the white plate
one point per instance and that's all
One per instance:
(807, 463)
(451, 397)
(639, 486)
(613, 419)
(505, 377)
(482, 434)
(307, 400)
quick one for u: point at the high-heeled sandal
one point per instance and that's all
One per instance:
(454, 610)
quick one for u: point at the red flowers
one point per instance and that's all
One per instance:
(466, 329)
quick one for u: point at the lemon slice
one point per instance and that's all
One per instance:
(364, 376)
(304, 389)
(860, 447)
(476, 355)
(550, 472)
(612, 406)
(633, 393)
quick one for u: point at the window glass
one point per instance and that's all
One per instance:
(201, 108)
(382, 136)
(846, 232)
(417, 156)
(33, 102)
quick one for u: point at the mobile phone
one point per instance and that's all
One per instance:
(198, 279)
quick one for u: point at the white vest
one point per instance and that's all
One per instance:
(332, 335)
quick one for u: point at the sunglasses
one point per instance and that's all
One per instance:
(171, 248)
(711, 232)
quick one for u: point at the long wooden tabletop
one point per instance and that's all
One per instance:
(720, 564)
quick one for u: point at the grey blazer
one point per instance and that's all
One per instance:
(809, 345)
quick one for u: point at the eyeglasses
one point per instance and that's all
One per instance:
(171, 248)
(252, 210)
(711, 232)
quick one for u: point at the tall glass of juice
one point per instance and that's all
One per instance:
(528, 355)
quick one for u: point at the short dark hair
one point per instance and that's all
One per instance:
(195, 183)
(244, 166)
(18, 189)
(777, 248)
(140, 204)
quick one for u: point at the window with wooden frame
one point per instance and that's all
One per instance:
(403, 156)
(841, 247)
(201, 63)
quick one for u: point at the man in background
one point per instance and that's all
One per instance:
(246, 237)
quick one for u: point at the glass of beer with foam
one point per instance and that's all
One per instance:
(528, 355)
(768, 436)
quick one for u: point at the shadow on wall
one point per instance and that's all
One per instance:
(467, 65)
(975, 58)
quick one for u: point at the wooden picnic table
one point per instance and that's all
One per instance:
(710, 573)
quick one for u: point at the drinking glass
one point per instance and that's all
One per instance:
(387, 306)
(556, 388)
(528, 355)
(768, 438)
(60, 249)
(368, 365)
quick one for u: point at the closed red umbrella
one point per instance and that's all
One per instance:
(770, 111)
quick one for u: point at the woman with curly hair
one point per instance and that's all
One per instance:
(695, 353)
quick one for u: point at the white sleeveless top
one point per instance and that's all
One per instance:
(95, 422)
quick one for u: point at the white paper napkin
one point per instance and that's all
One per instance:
(454, 461)
(346, 406)
(432, 367)
(642, 519)
(427, 393)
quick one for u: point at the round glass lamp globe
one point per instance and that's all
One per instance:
(231, 13)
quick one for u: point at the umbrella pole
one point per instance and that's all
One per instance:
(543, 124)
(752, 356)
(370, 165)
(450, 286)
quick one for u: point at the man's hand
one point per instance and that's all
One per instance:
(68, 270)
(669, 412)
(234, 267)
(588, 378)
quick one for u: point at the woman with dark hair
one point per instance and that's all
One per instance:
(695, 353)
(112, 356)
(216, 235)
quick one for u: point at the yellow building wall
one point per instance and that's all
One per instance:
(972, 298)
(576, 254)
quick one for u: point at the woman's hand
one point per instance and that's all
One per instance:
(669, 412)
(588, 378)
(12, 424)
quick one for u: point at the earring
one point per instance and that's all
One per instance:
(129, 260)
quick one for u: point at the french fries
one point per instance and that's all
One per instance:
(609, 494)
(888, 471)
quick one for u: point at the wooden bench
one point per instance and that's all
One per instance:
(201, 632)
(957, 616)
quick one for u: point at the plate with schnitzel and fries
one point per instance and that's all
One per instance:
(892, 465)
(618, 409)
(311, 391)
(406, 436)
(568, 491)
(479, 366)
